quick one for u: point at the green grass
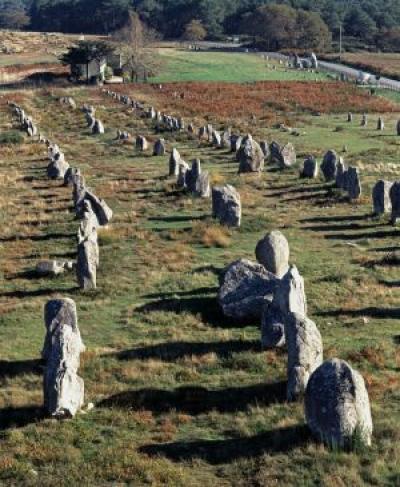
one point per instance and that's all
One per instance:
(153, 325)
(184, 65)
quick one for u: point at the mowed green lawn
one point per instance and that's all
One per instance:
(185, 65)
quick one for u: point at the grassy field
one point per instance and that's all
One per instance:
(185, 65)
(183, 396)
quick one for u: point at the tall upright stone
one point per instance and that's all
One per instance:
(310, 168)
(380, 124)
(63, 389)
(381, 197)
(395, 202)
(174, 162)
(353, 183)
(305, 353)
(340, 173)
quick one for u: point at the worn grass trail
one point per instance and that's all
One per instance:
(184, 396)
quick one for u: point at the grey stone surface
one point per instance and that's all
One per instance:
(226, 205)
(245, 288)
(381, 197)
(337, 405)
(329, 165)
(272, 252)
(310, 168)
(305, 353)
(250, 156)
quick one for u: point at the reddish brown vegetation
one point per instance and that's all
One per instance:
(263, 99)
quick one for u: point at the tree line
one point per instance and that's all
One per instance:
(372, 22)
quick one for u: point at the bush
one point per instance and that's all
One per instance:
(11, 137)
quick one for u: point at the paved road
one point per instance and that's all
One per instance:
(346, 71)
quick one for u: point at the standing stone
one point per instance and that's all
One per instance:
(381, 197)
(202, 187)
(183, 168)
(226, 139)
(310, 168)
(190, 128)
(216, 139)
(70, 175)
(203, 133)
(174, 162)
(245, 288)
(141, 143)
(275, 152)
(251, 157)
(56, 169)
(192, 175)
(340, 172)
(159, 148)
(349, 117)
(337, 405)
(63, 389)
(236, 142)
(272, 252)
(265, 148)
(78, 192)
(398, 127)
(353, 183)
(329, 165)
(395, 202)
(290, 296)
(364, 120)
(98, 127)
(87, 262)
(287, 156)
(226, 205)
(380, 124)
(305, 353)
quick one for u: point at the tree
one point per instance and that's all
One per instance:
(194, 31)
(358, 23)
(312, 32)
(13, 16)
(84, 53)
(133, 40)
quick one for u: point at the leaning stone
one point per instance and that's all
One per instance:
(245, 288)
(63, 389)
(305, 353)
(250, 156)
(329, 165)
(381, 197)
(102, 211)
(337, 405)
(310, 168)
(226, 205)
(353, 183)
(272, 252)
